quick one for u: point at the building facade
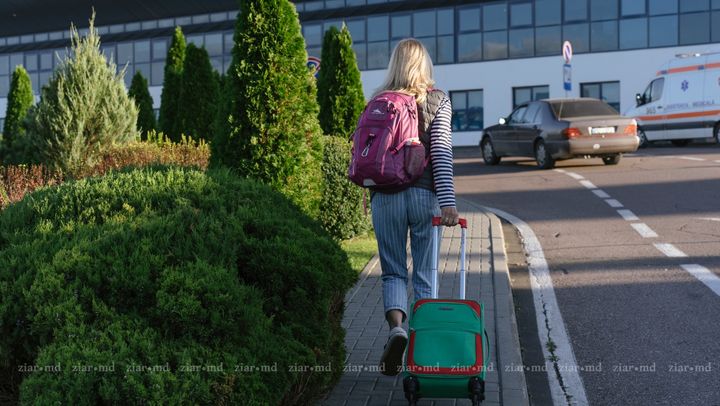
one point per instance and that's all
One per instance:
(489, 55)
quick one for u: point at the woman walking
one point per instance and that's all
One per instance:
(394, 214)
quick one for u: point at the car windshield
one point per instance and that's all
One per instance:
(582, 108)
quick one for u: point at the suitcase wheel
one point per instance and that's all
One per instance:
(411, 387)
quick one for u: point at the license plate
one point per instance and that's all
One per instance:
(602, 130)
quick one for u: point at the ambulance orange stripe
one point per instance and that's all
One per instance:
(688, 69)
(680, 115)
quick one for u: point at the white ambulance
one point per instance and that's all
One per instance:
(682, 102)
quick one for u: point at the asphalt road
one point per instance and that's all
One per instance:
(644, 328)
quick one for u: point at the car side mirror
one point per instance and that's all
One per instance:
(638, 99)
(502, 121)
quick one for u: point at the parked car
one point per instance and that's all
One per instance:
(681, 102)
(556, 129)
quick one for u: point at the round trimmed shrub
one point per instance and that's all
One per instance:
(166, 285)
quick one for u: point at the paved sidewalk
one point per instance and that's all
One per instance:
(487, 281)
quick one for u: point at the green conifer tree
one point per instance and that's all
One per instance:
(144, 102)
(84, 108)
(340, 93)
(19, 100)
(170, 97)
(274, 131)
(198, 95)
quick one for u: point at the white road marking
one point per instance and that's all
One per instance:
(670, 250)
(613, 203)
(628, 215)
(690, 158)
(588, 184)
(549, 321)
(574, 175)
(601, 194)
(717, 161)
(709, 218)
(644, 230)
(705, 276)
(560, 170)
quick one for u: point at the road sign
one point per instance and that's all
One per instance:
(567, 51)
(567, 77)
(313, 64)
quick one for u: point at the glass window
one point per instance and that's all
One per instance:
(715, 26)
(581, 108)
(143, 68)
(215, 17)
(197, 40)
(575, 10)
(124, 53)
(44, 79)
(315, 51)
(495, 45)
(517, 116)
(46, 61)
(357, 30)
(312, 34)
(424, 24)
(663, 31)
(633, 7)
(132, 27)
(467, 110)
(26, 39)
(531, 113)
(694, 5)
(520, 14)
(446, 49)
(469, 19)
(657, 89)
(579, 35)
(633, 33)
(313, 5)
(663, 7)
(716, 4)
(41, 37)
(694, 28)
(228, 43)
(609, 92)
(547, 12)
(34, 81)
(445, 22)
(149, 25)
(31, 62)
(201, 19)
(117, 28)
(334, 3)
(159, 49)
(495, 17)
(183, 21)
(521, 43)
(604, 36)
(469, 47)
(429, 43)
(401, 26)
(326, 26)
(603, 9)
(377, 29)
(56, 35)
(4, 65)
(377, 55)
(214, 44)
(548, 41)
(15, 60)
(16, 40)
(216, 64)
(158, 74)
(165, 23)
(361, 55)
(142, 51)
(355, 2)
(4, 86)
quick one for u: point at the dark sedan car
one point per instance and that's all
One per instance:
(556, 129)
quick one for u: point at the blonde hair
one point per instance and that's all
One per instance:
(410, 70)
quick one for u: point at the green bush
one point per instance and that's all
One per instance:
(340, 93)
(146, 272)
(144, 102)
(274, 135)
(343, 214)
(19, 100)
(170, 97)
(198, 95)
(84, 108)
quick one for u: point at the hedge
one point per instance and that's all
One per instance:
(161, 270)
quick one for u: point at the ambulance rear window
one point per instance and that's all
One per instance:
(582, 108)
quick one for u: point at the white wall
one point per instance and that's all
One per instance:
(634, 69)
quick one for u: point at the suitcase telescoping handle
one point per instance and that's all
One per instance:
(437, 222)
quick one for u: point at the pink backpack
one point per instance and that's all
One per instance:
(387, 153)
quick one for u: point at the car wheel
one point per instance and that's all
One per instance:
(717, 133)
(680, 143)
(542, 156)
(488, 152)
(644, 143)
(611, 159)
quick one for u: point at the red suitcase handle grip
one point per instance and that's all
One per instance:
(437, 221)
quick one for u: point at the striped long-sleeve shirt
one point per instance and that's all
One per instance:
(441, 154)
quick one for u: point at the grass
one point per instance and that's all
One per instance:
(360, 250)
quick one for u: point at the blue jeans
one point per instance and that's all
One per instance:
(393, 215)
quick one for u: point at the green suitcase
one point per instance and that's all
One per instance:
(447, 353)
